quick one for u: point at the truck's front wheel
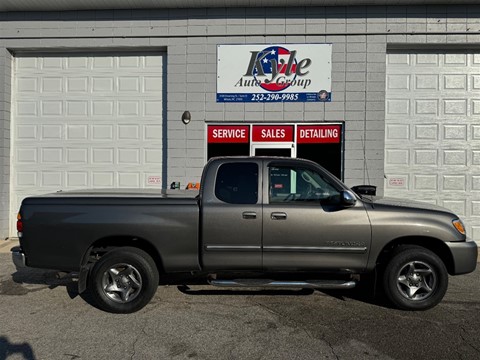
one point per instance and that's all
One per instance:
(415, 278)
(124, 280)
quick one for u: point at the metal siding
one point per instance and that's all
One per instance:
(432, 135)
(359, 36)
(55, 5)
(86, 122)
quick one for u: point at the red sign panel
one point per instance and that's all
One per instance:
(272, 133)
(315, 134)
(228, 134)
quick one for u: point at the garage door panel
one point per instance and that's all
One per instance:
(426, 82)
(432, 131)
(102, 84)
(26, 63)
(397, 156)
(86, 121)
(425, 182)
(454, 132)
(425, 157)
(77, 132)
(426, 132)
(426, 107)
(52, 179)
(77, 84)
(398, 82)
(396, 107)
(457, 206)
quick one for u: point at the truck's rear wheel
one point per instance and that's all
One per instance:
(415, 278)
(124, 280)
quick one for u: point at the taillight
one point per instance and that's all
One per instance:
(19, 225)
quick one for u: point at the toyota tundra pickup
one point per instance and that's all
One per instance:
(256, 222)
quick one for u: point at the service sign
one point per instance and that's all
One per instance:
(228, 134)
(274, 73)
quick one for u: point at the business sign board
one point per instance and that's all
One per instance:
(316, 134)
(272, 133)
(228, 134)
(274, 73)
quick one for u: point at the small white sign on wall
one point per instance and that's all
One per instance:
(154, 180)
(397, 182)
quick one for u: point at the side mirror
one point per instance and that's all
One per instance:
(348, 198)
(365, 190)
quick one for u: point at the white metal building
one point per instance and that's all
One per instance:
(92, 94)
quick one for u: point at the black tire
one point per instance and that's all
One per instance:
(415, 278)
(124, 280)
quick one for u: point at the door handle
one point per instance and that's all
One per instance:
(278, 216)
(249, 215)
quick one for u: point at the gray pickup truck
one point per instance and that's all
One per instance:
(256, 222)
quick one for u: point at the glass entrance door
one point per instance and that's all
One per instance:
(273, 150)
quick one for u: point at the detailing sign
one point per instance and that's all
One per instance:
(274, 73)
(314, 134)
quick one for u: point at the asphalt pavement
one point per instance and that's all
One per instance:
(43, 317)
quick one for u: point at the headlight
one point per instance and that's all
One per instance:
(459, 226)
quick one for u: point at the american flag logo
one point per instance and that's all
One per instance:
(275, 56)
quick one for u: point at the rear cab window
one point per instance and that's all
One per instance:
(237, 183)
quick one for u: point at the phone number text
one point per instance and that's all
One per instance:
(274, 97)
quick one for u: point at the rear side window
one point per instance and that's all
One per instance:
(237, 183)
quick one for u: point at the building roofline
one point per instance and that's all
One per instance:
(71, 5)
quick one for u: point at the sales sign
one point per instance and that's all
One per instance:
(274, 73)
(272, 133)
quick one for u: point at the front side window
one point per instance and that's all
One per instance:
(290, 184)
(237, 183)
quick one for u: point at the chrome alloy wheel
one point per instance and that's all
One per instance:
(122, 283)
(416, 280)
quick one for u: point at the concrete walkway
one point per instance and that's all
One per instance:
(6, 245)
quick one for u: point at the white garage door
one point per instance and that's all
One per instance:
(86, 122)
(433, 131)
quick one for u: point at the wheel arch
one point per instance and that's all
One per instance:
(437, 246)
(101, 246)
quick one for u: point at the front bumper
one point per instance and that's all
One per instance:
(18, 257)
(464, 255)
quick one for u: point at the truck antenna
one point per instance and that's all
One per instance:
(365, 163)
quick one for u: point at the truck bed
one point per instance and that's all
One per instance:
(66, 224)
(187, 196)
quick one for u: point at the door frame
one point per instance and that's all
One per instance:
(249, 126)
(287, 145)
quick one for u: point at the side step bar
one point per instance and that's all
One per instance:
(308, 284)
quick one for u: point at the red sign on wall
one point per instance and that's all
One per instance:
(315, 134)
(272, 133)
(228, 134)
